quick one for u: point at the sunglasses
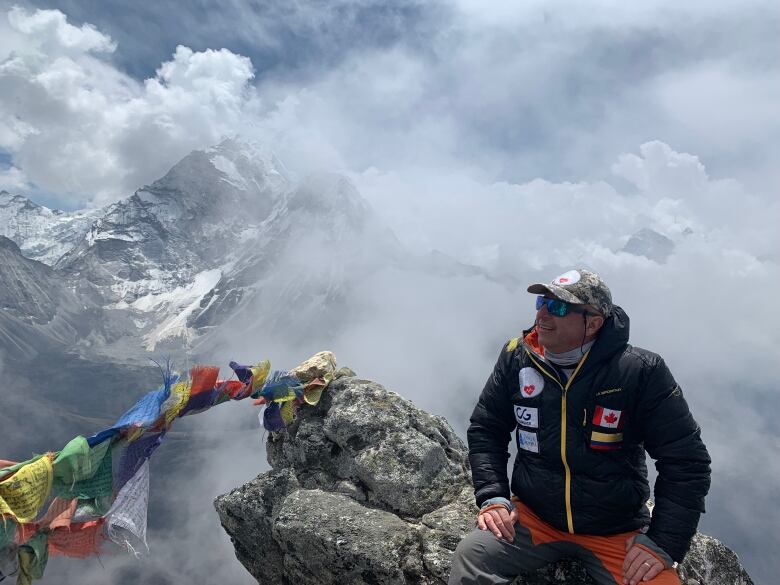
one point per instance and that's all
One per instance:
(559, 308)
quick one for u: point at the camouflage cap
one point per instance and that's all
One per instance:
(580, 287)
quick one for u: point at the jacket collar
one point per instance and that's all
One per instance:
(612, 338)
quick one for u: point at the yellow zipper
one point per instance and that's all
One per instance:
(567, 492)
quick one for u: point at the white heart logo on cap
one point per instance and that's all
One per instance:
(569, 277)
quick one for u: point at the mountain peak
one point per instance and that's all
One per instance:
(19, 202)
(233, 174)
(650, 244)
(236, 148)
(331, 196)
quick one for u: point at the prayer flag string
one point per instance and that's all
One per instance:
(95, 490)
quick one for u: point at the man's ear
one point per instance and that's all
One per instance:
(595, 323)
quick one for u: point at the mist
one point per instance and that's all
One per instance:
(520, 140)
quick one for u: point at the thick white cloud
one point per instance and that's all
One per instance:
(523, 90)
(512, 92)
(83, 130)
(13, 180)
(661, 172)
(50, 32)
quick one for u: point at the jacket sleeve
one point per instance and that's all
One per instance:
(672, 438)
(492, 423)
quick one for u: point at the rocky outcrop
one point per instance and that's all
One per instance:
(367, 488)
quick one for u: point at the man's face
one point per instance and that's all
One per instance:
(559, 334)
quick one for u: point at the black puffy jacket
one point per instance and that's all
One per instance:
(581, 444)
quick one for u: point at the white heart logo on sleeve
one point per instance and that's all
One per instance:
(531, 383)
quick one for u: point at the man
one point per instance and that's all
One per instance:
(585, 406)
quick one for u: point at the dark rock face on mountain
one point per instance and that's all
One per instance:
(367, 488)
(186, 222)
(37, 310)
(650, 244)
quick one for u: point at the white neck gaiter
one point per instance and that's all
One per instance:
(568, 358)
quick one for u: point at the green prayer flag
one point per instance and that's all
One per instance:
(33, 556)
(77, 461)
(7, 532)
(83, 475)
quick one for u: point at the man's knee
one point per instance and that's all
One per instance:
(475, 559)
(482, 558)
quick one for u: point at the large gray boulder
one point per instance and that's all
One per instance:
(367, 488)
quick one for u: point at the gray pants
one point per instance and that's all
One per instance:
(483, 559)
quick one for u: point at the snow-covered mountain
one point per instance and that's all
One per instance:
(168, 234)
(650, 244)
(41, 233)
(226, 234)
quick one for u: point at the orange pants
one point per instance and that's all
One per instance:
(482, 558)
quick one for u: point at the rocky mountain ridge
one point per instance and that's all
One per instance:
(38, 312)
(221, 229)
(366, 488)
(41, 233)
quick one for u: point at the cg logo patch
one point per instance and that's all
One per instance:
(531, 383)
(527, 416)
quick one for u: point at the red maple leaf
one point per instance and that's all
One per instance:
(529, 389)
(562, 280)
(610, 418)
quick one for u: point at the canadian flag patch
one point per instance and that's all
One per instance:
(608, 418)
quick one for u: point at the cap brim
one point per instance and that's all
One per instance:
(557, 292)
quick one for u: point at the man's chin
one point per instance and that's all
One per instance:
(545, 336)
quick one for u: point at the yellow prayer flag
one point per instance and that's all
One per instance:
(260, 374)
(180, 395)
(23, 494)
(287, 411)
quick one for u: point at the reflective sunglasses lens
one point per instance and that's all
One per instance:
(557, 308)
(554, 306)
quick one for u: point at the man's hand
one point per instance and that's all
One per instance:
(639, 564)
(499, 521)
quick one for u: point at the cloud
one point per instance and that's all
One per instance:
(13, 180)
(49, 31)
(289, 40)
(662, 172)
(511, 93)
(81, 129)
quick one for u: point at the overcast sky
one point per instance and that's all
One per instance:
(524, 137)
(509, 93)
